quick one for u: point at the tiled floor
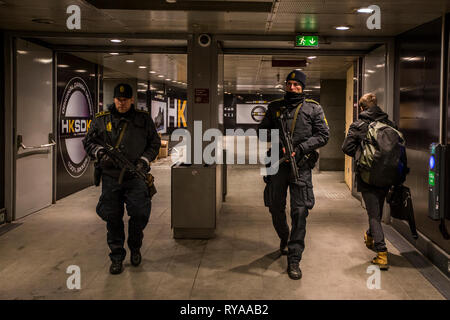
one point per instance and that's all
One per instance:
(241, 262)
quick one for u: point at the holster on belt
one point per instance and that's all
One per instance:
(151, 185)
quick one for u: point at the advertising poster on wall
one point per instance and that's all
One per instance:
(250, 113)
(159, 115)
(75, 109)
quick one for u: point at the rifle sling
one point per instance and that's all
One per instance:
(119, 140)
(295, 119)
(122, 133)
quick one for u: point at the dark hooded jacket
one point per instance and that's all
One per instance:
(357, 132)
(140, 140)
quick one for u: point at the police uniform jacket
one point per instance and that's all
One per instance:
(311, 128)
(140, 139)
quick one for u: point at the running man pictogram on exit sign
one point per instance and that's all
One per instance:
(306, 41)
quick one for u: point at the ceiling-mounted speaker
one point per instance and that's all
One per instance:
(204, 40)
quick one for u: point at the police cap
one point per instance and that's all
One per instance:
(123, 90)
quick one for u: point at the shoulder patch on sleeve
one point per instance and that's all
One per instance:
(312, 101)
(101, 114)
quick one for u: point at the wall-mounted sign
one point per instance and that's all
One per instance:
(75, 117)
(201, 95)
(250, 113)
(76, 92)
(306, 41)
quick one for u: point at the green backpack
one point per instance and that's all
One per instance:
(382, 157)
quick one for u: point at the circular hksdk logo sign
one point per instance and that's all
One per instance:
(258, 113)
(75, 116)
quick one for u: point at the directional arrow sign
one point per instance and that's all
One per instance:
(306, 41)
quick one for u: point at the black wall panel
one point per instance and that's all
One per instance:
(419, 117)
(2, 125)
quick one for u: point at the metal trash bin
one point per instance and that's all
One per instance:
(196, 198)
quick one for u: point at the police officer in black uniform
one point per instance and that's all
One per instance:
(133, 132)
(310, 132)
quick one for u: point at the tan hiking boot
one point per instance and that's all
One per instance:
(368, 240)
(381, 260)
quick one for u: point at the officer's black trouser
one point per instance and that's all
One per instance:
(374, 200)
(133, 193)
(302, 198)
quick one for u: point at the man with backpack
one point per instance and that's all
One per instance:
(379, 151)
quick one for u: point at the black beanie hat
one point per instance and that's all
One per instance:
(297, 75)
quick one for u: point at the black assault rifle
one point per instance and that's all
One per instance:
(286, 141)
(126, 165)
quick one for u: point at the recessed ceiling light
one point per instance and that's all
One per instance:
(114, 53)
(63, 66)
(370, 71)
(380, 65)
(116, 40)
(316, 87)
(142, 67)
(92, 75)
(342, 28)
(152, 72)
(171, 1)
(160, 76)
(130, 61)
(312, 57)
(22, 52)
(43, 61)
(168, 79)
(81, 71)
(307, 90)
(364, 10)
(174, 81)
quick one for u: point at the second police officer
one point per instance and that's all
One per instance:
(133, 132)
(309, 133)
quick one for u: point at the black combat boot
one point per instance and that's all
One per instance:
(116, 267)
(294, 271)
(283, 247)
(135, 258)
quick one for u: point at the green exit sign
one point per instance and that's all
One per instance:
(306, 41)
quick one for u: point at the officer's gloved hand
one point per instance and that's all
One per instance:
(298, 154)
(142, 166)
(103, 158)
(101, 153)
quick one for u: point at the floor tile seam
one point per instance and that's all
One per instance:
(196, 273)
